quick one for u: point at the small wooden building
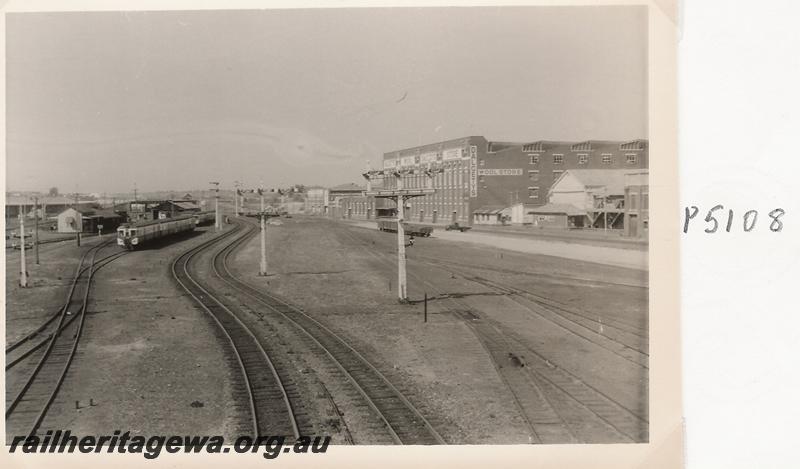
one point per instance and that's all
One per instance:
(70, 221)
(557, 216)
(88, 221)
(174, 208)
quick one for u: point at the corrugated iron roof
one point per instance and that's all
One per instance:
(186, 205)
(567, 209)
(612, 179)
(28, 200)
(102, 214)
(348, 187)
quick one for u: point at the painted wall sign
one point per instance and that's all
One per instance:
(451, 154)
(389, 164)
(408, 161)
(429, 157)
(473, 171)
(500, 172)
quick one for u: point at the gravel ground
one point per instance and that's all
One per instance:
(567, 249)
(152, 362)
(317, 264)
(441, 364)
(48, 284)
(148, 359)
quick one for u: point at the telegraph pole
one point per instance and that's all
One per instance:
(36, 229)
(235, 198)
(263, 264)
(400, 194)
(23, 270)
(217, 223)
(605, 215)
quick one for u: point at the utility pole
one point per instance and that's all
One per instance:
(605, 215)
(263, 264)
(36, 229)
(217, 221)
(23, 268)
(401, 242)
(235, 198)
(400, 194)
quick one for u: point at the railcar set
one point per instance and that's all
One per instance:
(204, 218)
(130, 236)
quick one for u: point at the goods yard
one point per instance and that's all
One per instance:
(182, 335)
(492, 346)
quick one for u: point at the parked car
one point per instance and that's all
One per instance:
(16, 245)
(457, 227)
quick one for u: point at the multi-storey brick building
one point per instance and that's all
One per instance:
(476, 175)
(637, 204)
(316, 202)
(455, 183)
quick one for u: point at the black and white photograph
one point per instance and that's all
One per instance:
(333, 226)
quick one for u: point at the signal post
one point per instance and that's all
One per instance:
(23, 267)
(217, 221)
(263, 216)
(400, 195)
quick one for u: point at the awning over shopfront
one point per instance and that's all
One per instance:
(489, 210)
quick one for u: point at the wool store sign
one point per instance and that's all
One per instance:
(473, 171)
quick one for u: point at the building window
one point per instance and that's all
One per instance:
(533, 192)
(558, 158)
(533, 175)
(583, 158)
(645, 201)
(481, 162)
(606, 158)
(630, 158)
(557, 174)
(534, 159)
(481, 180)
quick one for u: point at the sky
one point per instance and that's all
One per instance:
(100, 101)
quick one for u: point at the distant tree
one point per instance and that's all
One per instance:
(53, 192)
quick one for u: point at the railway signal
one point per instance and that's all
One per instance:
(400, 195)
(36, 228)
(263, 219)
(23, 271)
(217, 221)
(236, 198)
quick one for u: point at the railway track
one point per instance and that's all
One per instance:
(552, 277)
(531, 378)
(36, 339)
(615, 322)
(628, 345)
(27, 405)
(401, 419)
(263, 391)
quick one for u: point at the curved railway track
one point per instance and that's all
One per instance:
(33, 341)
(270, 410)
(402, 420)
(546, 419)
(30, 403)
